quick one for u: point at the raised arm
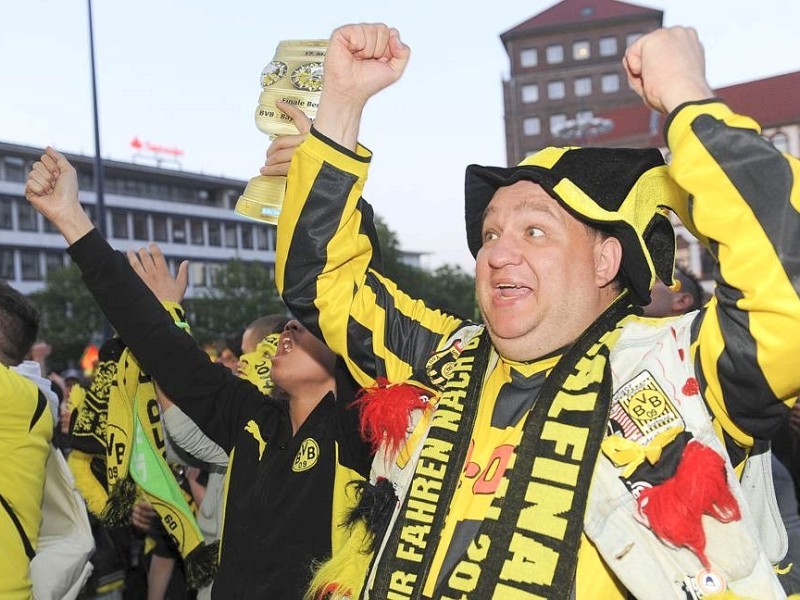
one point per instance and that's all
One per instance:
(361, 60)
(325, 257)
(744, 207)
(208, 393)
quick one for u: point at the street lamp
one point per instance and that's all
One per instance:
(98, 163)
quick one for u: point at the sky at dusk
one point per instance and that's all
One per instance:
(185, 74)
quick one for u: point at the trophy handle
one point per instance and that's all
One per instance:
(262, 198)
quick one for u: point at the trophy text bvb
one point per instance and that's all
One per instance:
(294, 76)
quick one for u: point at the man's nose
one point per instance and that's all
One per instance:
(502, 251)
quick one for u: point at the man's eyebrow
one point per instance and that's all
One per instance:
(528, 204)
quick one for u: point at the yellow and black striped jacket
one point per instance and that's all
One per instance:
(743, 205)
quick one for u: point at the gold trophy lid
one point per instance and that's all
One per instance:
(300, 43)
(301, 49)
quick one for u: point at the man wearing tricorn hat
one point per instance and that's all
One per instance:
(571, 446)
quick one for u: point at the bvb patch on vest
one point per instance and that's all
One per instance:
(307, 456)
(641, 409)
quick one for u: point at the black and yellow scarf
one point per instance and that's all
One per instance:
(120, 420)
(528, 542)
(88, 431)
(136, 465)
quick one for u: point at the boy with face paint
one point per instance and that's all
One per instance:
(259, 342)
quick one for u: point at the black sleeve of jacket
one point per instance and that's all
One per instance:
(207, 392)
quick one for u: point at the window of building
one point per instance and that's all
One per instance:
(530, 93)
(178, 230)
(14, 168)
(529, 57)
(53, 261)
(271, 238)
(214, 234)
(6, 213)
(583, 116)
(230, 235)
(30, 265)
(556, 89)
(196, 231)
(262, 242)
(27, 217)
(247, 236)
(90, 211)
(555, 54)
(85, 179)
(140, 226)
(583, 86)
(7, 264)
(609, 83)
(49, 227)
(160, 228)
(632, 37)
(581, 50)
(608, 46)
(214, 277)
(532, 126)
(781, 142)
(197, 274)
(557, 123)
(119, 224)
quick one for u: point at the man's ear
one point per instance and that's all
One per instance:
(681, 303)
(607, 260)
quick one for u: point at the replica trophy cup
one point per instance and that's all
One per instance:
(294, 76)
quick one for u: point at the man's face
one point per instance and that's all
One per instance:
(250, 340)
(301, 359)
(229, 359)
(249, 344)
(661, 301)
(64, 414)
(536, 274)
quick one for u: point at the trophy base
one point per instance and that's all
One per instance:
(262, 199)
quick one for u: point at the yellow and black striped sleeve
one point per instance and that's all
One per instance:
(744, 201)
(324, 274)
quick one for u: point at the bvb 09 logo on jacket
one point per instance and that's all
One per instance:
(307, 456)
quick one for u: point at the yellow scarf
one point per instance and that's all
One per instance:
(256, 366)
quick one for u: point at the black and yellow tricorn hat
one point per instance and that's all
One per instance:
(623, 191)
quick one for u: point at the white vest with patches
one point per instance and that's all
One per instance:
(656, 352)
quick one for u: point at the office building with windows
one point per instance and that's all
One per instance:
(189, 215)
(567, 87)
(566, 67)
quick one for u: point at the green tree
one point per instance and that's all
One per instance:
(448, 288)
(242, 292)
(70, 316)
